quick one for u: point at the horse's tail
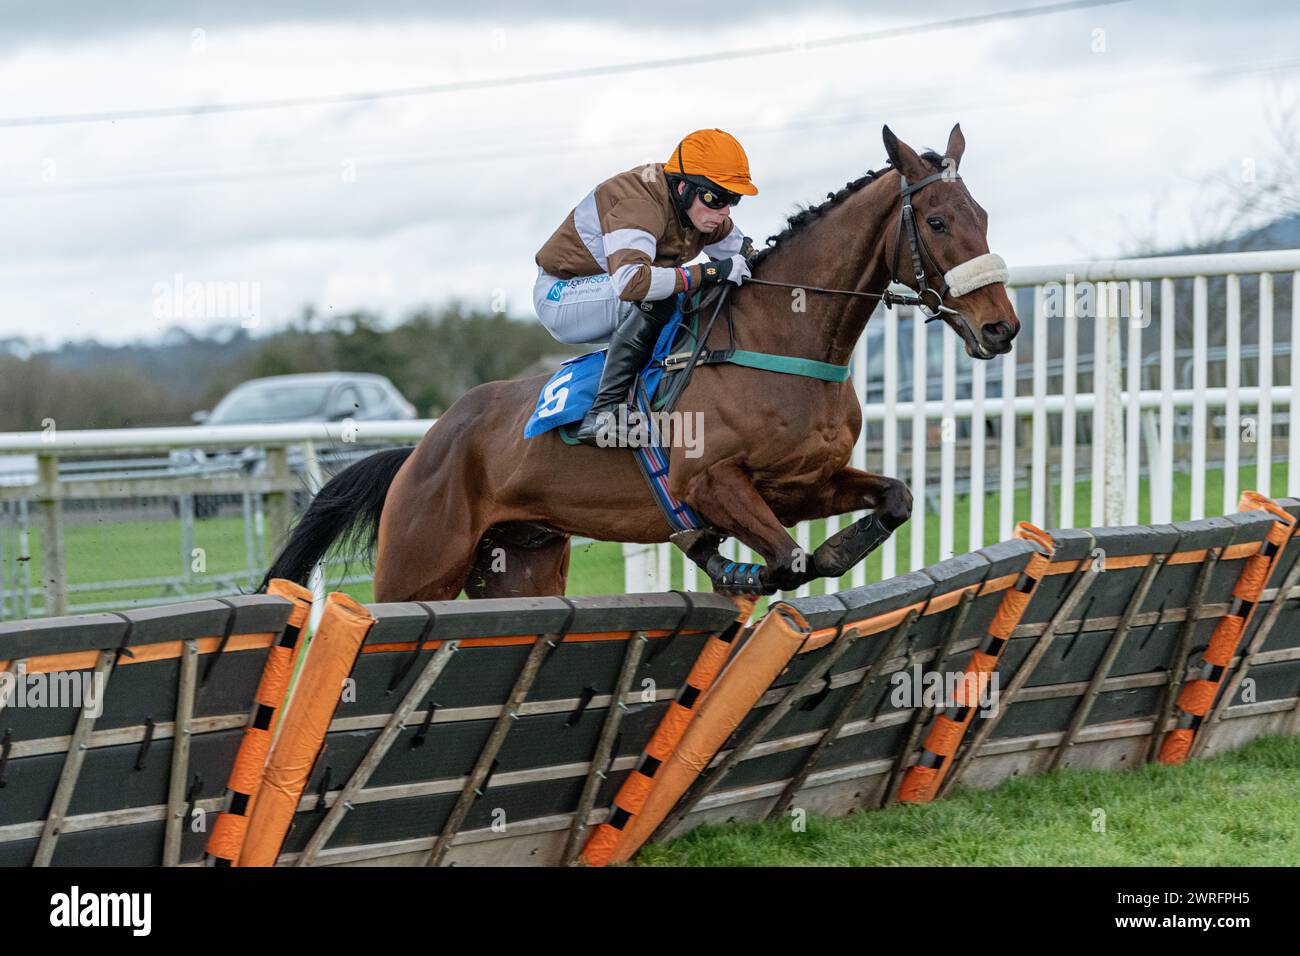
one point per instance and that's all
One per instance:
(344, 512)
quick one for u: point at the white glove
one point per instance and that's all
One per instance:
(739, 269)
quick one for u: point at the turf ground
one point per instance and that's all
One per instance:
(1236, 809)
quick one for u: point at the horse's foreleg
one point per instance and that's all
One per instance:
(725, 497)
(852, 490)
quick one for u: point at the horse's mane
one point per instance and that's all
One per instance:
(800, 221)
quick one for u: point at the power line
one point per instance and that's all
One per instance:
(207, 109)
(904, 106)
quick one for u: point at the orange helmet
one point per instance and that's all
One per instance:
(713, 155)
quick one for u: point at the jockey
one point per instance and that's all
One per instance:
(612, 270)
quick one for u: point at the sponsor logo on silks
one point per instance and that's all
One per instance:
(557, 291)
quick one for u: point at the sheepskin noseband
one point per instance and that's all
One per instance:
(976, 273)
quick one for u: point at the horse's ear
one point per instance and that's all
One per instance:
(901, 156)
(956, 146)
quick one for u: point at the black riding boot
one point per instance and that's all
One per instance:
(629, 350)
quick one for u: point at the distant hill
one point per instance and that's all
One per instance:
(1282, 234)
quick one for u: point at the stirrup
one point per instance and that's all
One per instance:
(615, 436)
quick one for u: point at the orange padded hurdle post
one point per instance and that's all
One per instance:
(630, 799)
(922, 780)
(343, 628)
(1197, 696)
(246, 774)
(775, 641)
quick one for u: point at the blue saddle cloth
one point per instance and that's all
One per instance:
(567, 395)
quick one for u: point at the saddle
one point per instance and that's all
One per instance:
(567, 396)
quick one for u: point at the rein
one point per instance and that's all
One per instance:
(906, 219)
(890, 299)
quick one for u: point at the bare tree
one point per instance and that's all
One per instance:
(1235, 206)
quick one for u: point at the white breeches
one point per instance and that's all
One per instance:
(585, 309)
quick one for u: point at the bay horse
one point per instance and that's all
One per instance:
(476, 507)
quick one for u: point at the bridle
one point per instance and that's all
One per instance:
(907, 220)
(980, 271)
(966, 277)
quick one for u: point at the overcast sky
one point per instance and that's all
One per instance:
(1085, 130)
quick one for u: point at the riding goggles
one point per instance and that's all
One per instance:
(716, 198)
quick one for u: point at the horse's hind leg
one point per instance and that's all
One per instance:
(519, 560)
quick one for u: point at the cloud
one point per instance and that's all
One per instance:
(40, 22)
(451, 195)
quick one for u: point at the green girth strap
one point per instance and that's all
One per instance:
(789, 365)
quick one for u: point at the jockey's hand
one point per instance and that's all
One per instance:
(734, 269)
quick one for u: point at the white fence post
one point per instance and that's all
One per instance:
(1293, 410)
(1264, 422)
(1232, 382)
(1114, 378)
(641, 568)
(316, 582)
(1136, 316)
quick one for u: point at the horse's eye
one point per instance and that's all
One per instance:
(937, 224)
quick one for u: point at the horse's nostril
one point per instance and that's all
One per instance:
(999, 332)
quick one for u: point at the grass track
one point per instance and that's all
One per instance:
(1237, 809)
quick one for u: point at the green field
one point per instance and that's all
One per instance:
(1237, 809)
(115, 550)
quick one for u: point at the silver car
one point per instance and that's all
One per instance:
(310, 397)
